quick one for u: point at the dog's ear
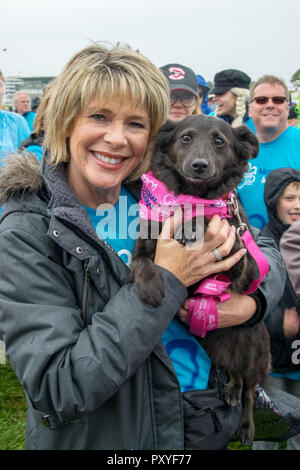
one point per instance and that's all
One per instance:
(246, 142)
(164, 136)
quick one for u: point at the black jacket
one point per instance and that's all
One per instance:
(281, 347)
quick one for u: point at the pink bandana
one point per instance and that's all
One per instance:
(159, 203)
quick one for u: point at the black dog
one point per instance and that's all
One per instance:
(205, 157)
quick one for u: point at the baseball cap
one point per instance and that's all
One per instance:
(230, 78)
(180, 78)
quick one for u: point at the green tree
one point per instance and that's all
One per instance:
(296, 76)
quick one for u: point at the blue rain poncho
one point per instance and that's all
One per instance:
(13, 130)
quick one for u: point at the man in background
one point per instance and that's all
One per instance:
(22, 106)
(279, 143)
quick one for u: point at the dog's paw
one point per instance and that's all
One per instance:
(152, 292)
(246, 433)
(232, 394)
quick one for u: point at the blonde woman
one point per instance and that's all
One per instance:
(231, 90)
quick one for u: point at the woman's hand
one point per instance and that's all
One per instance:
(235, 311)
(191, 264)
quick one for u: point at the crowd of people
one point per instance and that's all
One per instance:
(90, 355)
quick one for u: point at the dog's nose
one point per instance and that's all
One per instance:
(199, 165)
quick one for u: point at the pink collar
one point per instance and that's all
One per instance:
(158, 202)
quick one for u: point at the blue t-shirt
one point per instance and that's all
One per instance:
(279, 153)
(37, 150)
(249, 122)
(290, 374)
(29, 118)
(118, 225)
(190, 361)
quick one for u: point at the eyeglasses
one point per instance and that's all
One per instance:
(265, 99)
(186, 99)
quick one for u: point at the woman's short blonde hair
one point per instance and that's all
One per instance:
(102, 72)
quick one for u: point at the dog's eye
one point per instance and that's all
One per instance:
(219, 142)
(186, 139)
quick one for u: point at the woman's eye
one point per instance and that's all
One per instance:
(186, 139)
(98, 117)
(138, 125)
(219, 142)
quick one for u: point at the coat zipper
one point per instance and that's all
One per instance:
(85, 292)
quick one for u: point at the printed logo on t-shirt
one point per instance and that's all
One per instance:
(249, 176)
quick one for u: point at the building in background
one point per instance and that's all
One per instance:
(33, 86)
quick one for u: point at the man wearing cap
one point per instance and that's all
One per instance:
(279, 144)
(183, 91)
(231, 90)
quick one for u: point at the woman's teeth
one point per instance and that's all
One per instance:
(112, 161)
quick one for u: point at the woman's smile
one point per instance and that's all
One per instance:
(109, 160)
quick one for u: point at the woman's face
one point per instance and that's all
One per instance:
(182, 105)
(288, 204)
(225, 103)
(106, 144)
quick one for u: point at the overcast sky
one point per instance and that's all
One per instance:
(256, 36)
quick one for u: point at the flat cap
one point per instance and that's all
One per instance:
(230, 78)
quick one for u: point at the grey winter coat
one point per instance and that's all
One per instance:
(85, 348)
(289, 247)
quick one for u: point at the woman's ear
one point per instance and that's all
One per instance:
(250, 110)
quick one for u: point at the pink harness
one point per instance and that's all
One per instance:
(158, 203)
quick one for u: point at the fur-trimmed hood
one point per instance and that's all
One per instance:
(26, 185)
(20, 173)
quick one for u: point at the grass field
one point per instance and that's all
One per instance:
(12, 411)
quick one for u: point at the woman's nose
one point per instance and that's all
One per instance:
(177, 104)
(115, 135)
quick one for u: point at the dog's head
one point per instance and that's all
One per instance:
(202, 155)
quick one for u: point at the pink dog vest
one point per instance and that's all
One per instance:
(158, 203)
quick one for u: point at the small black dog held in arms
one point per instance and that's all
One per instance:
(205, 157)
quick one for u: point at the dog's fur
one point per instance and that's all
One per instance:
(205, 157)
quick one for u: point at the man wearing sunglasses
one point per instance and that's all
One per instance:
(279, 143)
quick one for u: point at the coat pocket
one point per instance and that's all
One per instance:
(209, 422)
